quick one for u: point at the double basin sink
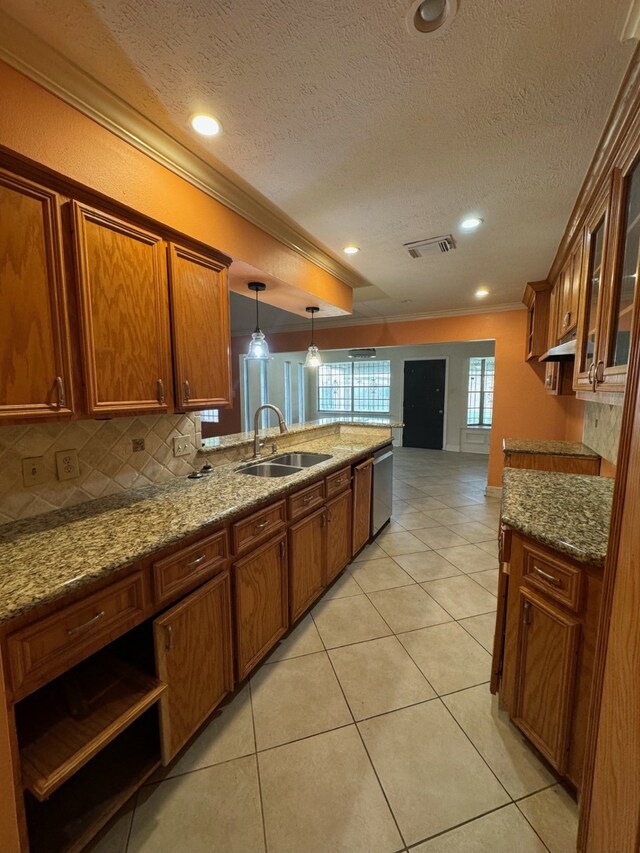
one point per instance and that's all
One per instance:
(285, 464)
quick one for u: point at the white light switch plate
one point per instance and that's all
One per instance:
(181, 445)
(67, 464)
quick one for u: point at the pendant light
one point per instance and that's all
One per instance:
(313, 359)
(258, 346)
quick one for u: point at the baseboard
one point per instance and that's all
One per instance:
(453, 448)
(493, 491)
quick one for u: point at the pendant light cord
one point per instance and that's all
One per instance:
(257, 314)
(312, 315)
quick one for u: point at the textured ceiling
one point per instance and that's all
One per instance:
(362, 133)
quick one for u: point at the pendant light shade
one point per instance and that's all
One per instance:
(313, 359)
(258, 346)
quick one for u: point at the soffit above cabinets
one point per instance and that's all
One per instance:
(359, 132)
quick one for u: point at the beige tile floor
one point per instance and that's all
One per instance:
(370, 728)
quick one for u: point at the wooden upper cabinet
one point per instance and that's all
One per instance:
(123, 299)
(625, 240)
(200, 326)
(536, 297)
(35, 376)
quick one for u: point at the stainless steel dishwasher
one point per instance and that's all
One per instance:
(382, 487)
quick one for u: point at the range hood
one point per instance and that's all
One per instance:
(563, 352)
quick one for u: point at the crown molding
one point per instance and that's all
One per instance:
(24, 51)
(624, 112)
(631, 28)
(348, 321)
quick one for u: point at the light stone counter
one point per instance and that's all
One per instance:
(567, 512)
(44, 558)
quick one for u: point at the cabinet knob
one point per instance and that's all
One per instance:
(187, 390)
(160, 391)
(62, 397)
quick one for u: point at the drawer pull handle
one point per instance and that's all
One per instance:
(547, 577)
(308, 498)
(73, 632)
(197, 561)
(261, 525)
(339, 481)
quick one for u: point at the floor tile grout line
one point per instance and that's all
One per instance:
(464, 823)
(464, 627)
(516, 804)
(255, 743)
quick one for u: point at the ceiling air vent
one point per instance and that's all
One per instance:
(420, 248)
(369, 352)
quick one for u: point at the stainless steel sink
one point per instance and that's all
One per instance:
(302, 460)
(268, 469)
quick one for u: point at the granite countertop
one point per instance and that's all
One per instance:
(44, 558)
(548, 447)
(245, 439)
(567, 512)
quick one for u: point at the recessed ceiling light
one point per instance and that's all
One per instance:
(427, 17)
(471, 223)
(206, 125)
(351, 250)
(481, 292)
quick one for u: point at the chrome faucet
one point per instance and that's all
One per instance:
(256, 427)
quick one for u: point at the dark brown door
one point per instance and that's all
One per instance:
(423, 411)
(194, 657)
(307, 561)
(338, 534)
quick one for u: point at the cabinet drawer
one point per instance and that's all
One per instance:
(187, 567)
(555, 579)
(306, 500)
(338, 482)
(42, 651)
(254, 529)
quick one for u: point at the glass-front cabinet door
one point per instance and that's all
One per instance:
(593, 303)
(621, 304)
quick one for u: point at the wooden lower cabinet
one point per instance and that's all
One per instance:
(545, 676)
(544, 650)
(194, 657)
(261, 602)
(362, 490)
(338, 534)
(307, 561)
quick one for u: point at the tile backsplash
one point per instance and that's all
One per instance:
(601, 430)
(108, 463)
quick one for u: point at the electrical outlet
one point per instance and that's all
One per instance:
(181, 445)
(33, 472)
(67, 464)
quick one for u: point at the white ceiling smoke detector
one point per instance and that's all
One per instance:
(430, 17)
(430, 246)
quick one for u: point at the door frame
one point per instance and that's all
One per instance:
(444, 358)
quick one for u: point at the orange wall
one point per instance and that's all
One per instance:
(38, 125)
(522, 408)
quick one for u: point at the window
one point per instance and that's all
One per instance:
(354, 386)
(301, 394)
(480, 398)
(288, 415)
(210, 415)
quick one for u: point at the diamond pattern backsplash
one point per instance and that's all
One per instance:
(601, 431)
(108, 463)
